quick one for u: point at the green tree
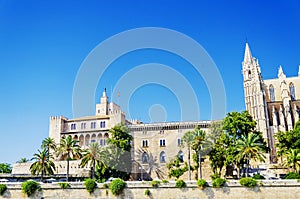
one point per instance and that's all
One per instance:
(120, 152)
(93, 156)
(42, 165)
(250, 147)
(176, 169)
(288, 140)
(23, 160)
(69, 150)
(5, 168)
(293, 159)
(197, 145)
(49, 144)
(188, 140)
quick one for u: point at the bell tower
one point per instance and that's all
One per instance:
(255, 98)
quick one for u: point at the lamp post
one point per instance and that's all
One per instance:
(141, 169)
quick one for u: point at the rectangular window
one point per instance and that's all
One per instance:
(93, 125)
(102, 124)
(162, 142)
(83, 125)
(179, 142)
(73, 126)
(145, 143)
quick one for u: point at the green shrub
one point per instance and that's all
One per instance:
(147, 192)
(90, 185)
(117, 186)
(3, 188)
(180, 184)
(258, 177)
(218, 182)
(64, 185)
(30, 186)
(201, 183)
(214, 176)
(165, 181)
(105, 185)
(248, 182)
(155, 183)
(292, 175)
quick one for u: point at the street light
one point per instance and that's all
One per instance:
(141, 169)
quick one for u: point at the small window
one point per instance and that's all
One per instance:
(180, 156)
(162, 157)
(93, 125)
(162, 142)
(73, 126)
(83, 125)
(93, 141)
(179, 142)
(102, 124)
(145, 143)
(101, 142)
(145, 158)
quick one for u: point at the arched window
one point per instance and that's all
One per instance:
(180, 156)
(272, 93)
(162, 157)
(145, 158)
(292, 92)
(249, 74)
(277, 116)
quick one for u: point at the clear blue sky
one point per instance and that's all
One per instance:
(43, 43)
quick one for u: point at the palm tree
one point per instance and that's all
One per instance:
(188, 139)
(49, 144)
(199, 138)
(23, 160)
(293, 159)
(42, 164)
(250, 147)
(68, 150)
(93, 155)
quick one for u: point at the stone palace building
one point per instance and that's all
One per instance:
(273, 103)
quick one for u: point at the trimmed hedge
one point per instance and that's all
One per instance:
(90, 185)
(218, 182)
(258, 177)
(202, 183)
(117, 186)
(180, 184)
(3, 188)
(30, 186)
(292, 175)
(248, 182)
(155, 183)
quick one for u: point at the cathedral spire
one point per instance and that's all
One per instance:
(248, 55)
(280, 72)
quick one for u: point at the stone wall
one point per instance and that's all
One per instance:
(135, 190)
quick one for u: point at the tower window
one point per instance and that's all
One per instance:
(292, 92)
(272, 93)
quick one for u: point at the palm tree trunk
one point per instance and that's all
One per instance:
(189, 164)
(42, 176)
(93, 170)
(68, 169)
(200, 165)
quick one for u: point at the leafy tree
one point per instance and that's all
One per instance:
(288, 140)
(23, 160)
(68, 150)
(5, 168)
(175, 168)
(49, 144)
(42, 165)
(93, 156)
(188, 139)
(250, 147)
(120, 152)
(293, 159)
